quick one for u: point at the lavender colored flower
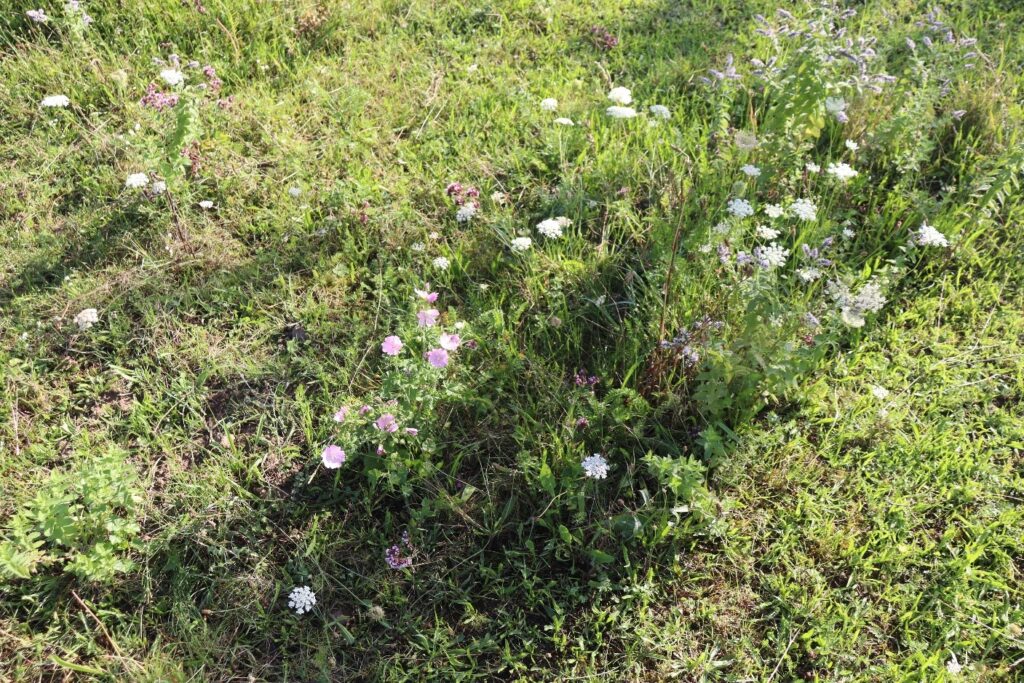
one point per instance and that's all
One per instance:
(386, 423)
(428, 318)
(333, 457)
(426, 294)
(341, 414)
(450, 342)
(391, 346)
(437, 358)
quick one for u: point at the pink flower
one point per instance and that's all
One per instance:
(428, 318)
(365, 409)
(341, 414)
(438, 358)
(426, 294)
(386, 423)
(412, 431)
(380, 450)
(333, 457)
(392, 345)
(450, 341)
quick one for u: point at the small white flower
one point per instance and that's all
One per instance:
(301, 599)
(848, 233)
(521, 244)
(206, 204)
(418, 246)
(772, 210)
(87, 318)
(465, 212)
(773, 256)
(740, 208)
(745, 140)
(953, 666)
(766, 233)
(621, 112)
(441, 263)
(620, 95)
(842, 171)
(595, 466)
(55, 101)
(550, 228)
(834, 105)
(751, 170)
(172, 77)
(808, 274)
(434, 235)
(927, 236)
(158, 187)
(660, 111)
(852, 146)
(136, 181)
(472, 68)
(813, 167)
(562, 121)
(37, 15)
(499, 197)
(721, 228)
(879, 392)
(549, 104)
(705, 248)
(294, 191)
(804, 209)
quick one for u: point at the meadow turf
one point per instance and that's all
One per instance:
(805, 481)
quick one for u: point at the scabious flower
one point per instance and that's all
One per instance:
(521, 244)
(804, 209)
(927, 236)
(450, 342)
(412, 431)
(86, 318)
(391, 346)
(426, 294)
(37, 15)
(428, 318)
(740, 208)
(333, 457)
(620, 95)
(51, 101)
(136, 181)
(660, 111)
(341, 414)
(437, 358)
(595, 466)
(842, 171)
(562, 121)
(364, 409)
(301, 599)
(172, 77)
(386, 423)
(441, 263)
(621, 112)
(549, 104)
(751, 170)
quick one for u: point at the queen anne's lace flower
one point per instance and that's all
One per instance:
(751, 170)
(521, 244)
(842, 171)
(766, 233)
(804, 209)
(621, 112)
(301, 599)
(87, 318)
(441, 263)
(549, 104)
(772, 256)
(854, 308)
(562, 121)
(55, 101)
(660, 111)
(595, 466)
(620, 95)
(927, 236)
(465, 212)
(772, 210)
(136, 181)
(550, 228)
(740, 208)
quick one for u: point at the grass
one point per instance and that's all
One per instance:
(770, 512)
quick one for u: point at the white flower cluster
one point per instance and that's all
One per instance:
(552, 227)
(51, 101)
(136, 181)
(772, 256)
(927, 236)
(766, 233)
(740, 208)
(87, 318)
(301, 599)
(853, 308)
(521, 244)
(465, 212)
(773, 210)
(595, 466)
(842, 171)
(751, 171)
(804, 209)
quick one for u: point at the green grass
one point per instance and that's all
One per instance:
(767, 516)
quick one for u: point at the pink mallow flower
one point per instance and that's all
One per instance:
(386, 423)
(341, 414)
(426, 294)
(365, 409)
(450, 342)
(380, 450)
(392, 345)
(428, 318)
(412, 431)
(333, 457)
(438, 358)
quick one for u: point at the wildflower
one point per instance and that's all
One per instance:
(172, 77)
(848, 233)
(364, 409)
(155, 99)
(206, 204)
(766, 233)
(418, 246)
(582, 423)
(87, 318)
(853, 308)
(621, 112)
(812, 167)
(333, 457)
(549, 104)
(772, 256)
(603, 38)
(426, 294)
(375, 613)
(37, 15)
(842, 171)
(808, 274)
(745, 140)
(953, 666)
(450, 342)
(412, 431)
(834, 105)
(879, 392)
(437, 358)
(562, 121)
(804, 209)
(428, 318)
(521, 244)
(158, 187)
(441, 263)
(294, 192)
(550, 228)
(136, 181)
(740, 208)
(620, 95)
(391, 346)
(582, 379)
(380, 450)
(852, 146)
(396, 556)
(341, 414)
(386, 423)
(660, 111)
(51, 101)
(927, 236)
(751, 171)
(772, 210)
(301, 599)
(465, 212)
(595, 466)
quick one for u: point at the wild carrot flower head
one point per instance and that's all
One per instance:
(301, 599)
(595, 466)
(620, 95)
(549, 104)
(55, 101)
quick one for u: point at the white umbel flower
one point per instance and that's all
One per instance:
(842, 171)
(852, 146)
(301, 599)
(751, 170)
(51, 101)
(812, 167)
(522, 244)
(620, 95)
(549, 104)
(660, 111)
(552, 227)
(804, 209)
(595, 466)
(294, 191)
(172, 77)
(773, 256)
(562, 121)
(442, 263)
(880, 392)
(206, 204)
(835, 105)
(136, 181)
(621, 112)
(927, 236)
(87, 318)
(766, 233)
(465, 212)
(773, 210)
(740, 208)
